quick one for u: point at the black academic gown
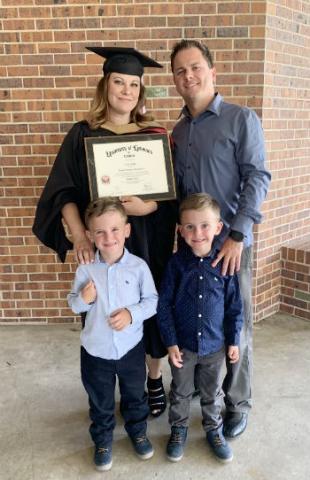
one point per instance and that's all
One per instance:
(151, 236)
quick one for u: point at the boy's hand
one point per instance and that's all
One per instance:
(120, 319)
(89, 293)
(233, 354)
(175, 356)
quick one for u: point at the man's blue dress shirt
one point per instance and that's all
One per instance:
(127, 283)
(221, 152)
(199, 309)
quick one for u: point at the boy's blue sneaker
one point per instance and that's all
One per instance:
(219, 445)
(142, 446)
(103, 458)
(176, 443)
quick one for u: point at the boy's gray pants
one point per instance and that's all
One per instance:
(208, 376)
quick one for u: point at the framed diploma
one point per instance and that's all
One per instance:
(124, 165)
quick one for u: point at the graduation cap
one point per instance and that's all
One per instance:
(124, 60)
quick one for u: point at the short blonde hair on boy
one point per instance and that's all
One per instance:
(102, 205)
(199, 201)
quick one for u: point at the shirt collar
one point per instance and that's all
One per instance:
(214, 107)
(123, 259)
(189, 255)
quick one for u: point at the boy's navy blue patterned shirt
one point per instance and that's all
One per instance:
(199, 309)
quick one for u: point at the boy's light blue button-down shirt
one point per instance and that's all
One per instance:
(127, 283)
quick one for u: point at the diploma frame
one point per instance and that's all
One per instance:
(101, 151)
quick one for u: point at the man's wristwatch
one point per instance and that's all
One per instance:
(236, 236)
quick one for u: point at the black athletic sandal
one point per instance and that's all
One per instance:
(157, 397)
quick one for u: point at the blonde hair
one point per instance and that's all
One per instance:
(199, 201)
(99, 110)
(100, 206)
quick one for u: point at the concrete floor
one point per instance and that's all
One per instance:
(44, 413)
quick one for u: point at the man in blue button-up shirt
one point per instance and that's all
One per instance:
(199, 317)
(219, 149)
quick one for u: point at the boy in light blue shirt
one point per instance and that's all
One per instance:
(118, 293)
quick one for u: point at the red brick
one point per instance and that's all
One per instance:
(302, 313)
(67, 36)
(187, 21)
(167, 8)
(118, 22)
(233, 7)
(135, 10)
(70, 11)
(18, 24)
(286, 309)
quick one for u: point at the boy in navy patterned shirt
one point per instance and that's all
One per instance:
(200, 319)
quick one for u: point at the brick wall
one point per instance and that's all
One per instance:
(295, 279)
(286, 121)
(47, 79)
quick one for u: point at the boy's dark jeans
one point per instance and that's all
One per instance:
(99, 378)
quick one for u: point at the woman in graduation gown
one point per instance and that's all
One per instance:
(115, 110)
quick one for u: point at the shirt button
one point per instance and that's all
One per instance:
(201, 277)
(199, 334)
(200, 296)
(201, 259)
(199, 315)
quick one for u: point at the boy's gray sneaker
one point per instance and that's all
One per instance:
(103, 458)
(219, 445)
(142, 446)
(176, 443)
